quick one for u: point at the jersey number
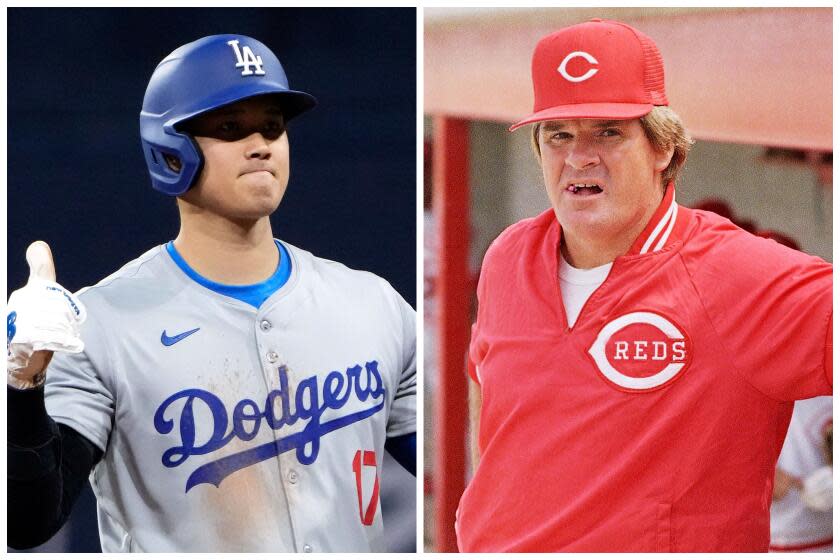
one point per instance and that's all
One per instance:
(367, 459)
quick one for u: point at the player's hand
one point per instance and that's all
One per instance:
(783, 483)
(42, 317)
(817, 490)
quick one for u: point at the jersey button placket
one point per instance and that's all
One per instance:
(272, 357)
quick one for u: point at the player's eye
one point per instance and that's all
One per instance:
(559, 136)
(610, 132)
(273, 129)
(229, 126)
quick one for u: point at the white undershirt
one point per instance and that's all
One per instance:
(577, 284)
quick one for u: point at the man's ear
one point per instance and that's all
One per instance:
(663, 159)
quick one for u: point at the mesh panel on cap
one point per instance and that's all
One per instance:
(654, 79)
(654, 67)
(654, 71)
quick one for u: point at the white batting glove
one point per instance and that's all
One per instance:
(817, 489)
(42, 317)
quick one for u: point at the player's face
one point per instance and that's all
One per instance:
(618, 165)
(246, 159)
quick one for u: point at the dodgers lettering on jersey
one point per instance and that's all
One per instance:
(306, 405)
(259, 430)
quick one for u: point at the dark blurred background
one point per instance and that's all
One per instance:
(77, 179)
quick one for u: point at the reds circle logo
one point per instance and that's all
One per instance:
(640, 351)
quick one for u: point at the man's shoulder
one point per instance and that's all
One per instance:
(714, 246)
(526, 233)
(716, 237)
(334, 273)
(139, 274)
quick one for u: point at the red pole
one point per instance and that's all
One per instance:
(451, 196)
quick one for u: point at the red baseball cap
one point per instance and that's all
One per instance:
(600, 69)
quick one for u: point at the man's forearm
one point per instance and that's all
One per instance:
(475, 416)
(48, 465)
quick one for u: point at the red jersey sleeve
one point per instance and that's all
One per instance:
(772, 309)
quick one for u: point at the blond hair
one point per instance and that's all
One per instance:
(663, 128)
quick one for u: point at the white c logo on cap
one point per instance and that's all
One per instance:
(589, 73)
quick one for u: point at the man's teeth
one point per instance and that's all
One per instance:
(577, 186)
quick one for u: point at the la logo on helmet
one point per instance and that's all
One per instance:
(640, 351)
(246, 58)
(571, 56)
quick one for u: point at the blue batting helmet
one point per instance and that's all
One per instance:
(196, 78)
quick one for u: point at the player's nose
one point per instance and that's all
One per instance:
(582, 155)
(257, 146)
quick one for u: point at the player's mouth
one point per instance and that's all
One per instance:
(584, 188)
(258, 170)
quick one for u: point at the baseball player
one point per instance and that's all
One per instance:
(801, 514)
(225, 391)
(635, 361)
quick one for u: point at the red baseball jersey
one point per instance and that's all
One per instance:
(653, 424)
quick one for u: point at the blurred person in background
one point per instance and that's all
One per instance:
(801, 513)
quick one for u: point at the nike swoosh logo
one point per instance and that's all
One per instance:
(170, 340)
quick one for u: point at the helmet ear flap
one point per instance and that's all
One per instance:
(167, 178)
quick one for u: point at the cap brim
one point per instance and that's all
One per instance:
(293, 102)
(617, 111)
(296, 102)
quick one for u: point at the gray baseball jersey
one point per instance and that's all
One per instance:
(230, 428)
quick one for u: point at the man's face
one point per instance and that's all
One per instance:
(246, 159)
(603, 177)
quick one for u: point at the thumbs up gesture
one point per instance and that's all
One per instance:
(42, 318)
